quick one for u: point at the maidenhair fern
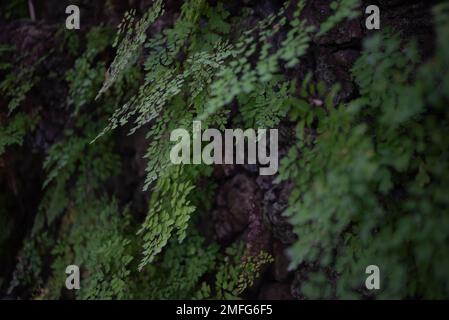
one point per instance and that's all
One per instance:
(14, 89)
(14, 132)
(211, 75)
(238, 271)
(369, 174)
(170, 211)
(131, 36)
(179, 271)
(267, 105)
(343, 10)
(16, 86)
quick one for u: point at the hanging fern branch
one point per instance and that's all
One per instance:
(129, 42)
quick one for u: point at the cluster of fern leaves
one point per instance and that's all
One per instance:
(370, 176)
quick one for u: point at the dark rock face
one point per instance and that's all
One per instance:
(413, 19)
(281, 262)
(21, 168)
(38, 45)
(259, 204)
(275, 202)
(248, 207)
(275, 291)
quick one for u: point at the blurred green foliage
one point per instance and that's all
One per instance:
(13, 9)
(370, 176)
